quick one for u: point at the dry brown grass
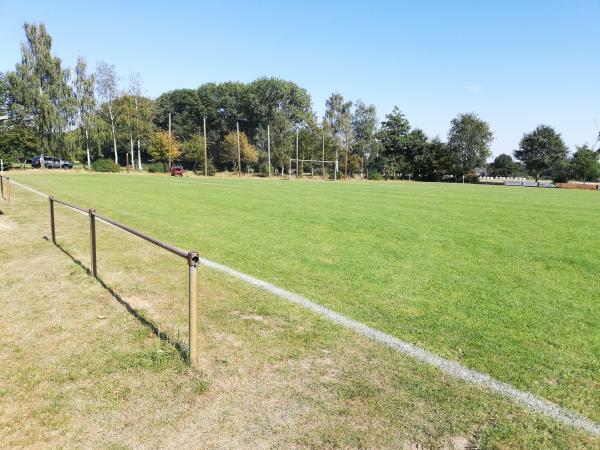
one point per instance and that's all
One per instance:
(78, 370)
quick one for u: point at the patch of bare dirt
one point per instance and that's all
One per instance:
(7, 224)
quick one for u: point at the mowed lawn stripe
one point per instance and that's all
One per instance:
(502, 280)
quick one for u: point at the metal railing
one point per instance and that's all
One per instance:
(3, 194)
(192, 257)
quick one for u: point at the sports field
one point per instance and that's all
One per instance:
(503, 280)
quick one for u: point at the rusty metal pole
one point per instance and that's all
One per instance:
(2, 186)
(8, 188)
(92, 214)
(192, 259)
(52, 227)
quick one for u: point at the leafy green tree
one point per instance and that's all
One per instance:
(107, 83)
(84, 92)
(273, 102)
(560, 171)
(541, 149)
(469, 141)
(248, 152)
(393, 136)
(131, 126)
(439, 160)
(193, 150)
(503, 166)
(186, 111)
(364, 129)
(164, 147)
(585, 163)
(338, 114)
(415, 147)
(267, 99)
(143, 115)
(17, 143)
(40, 94)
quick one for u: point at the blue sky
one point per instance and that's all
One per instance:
(515, 64)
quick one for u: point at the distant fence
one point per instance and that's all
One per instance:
(590, 187)
(192, 258)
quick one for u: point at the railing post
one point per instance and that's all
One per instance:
(52, 227)
(92, 214)
(2, 186)
(192, 260)
(8, 188)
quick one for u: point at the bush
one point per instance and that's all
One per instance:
(156, 168)
(470, 178)
(561, 172)
(105, 165)
(375, 175)
(7, 165)
(211, 168)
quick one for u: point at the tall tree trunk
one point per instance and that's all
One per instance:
(112, 126)
(87, 149)
(139, 155)
(346, 162)
(131, 143)
(362, 165)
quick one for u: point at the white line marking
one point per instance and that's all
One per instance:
(28, 188)
(452, 368)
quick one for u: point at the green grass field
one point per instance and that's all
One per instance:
(502, 280)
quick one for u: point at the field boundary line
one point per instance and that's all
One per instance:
(452, 368)
(447, 366)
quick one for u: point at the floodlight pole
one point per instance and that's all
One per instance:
(297, 157)
(205, 152)
(169, 149)
(237, 125)
(269, 147)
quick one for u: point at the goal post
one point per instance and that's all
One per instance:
(320, 166)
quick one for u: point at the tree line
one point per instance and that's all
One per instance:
(251, 127)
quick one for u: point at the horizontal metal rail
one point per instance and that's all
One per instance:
(192, 257)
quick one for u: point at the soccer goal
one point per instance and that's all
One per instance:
(318, 166)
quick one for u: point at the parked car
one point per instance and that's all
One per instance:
(177, 170)
(50, 162)
(36, 161)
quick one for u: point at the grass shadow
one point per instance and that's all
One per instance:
(153, 327)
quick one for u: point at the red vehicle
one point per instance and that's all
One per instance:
(176, 170)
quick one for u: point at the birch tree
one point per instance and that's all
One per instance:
(364, 127)
(84, 90)
(124, 107)
(338, 116)
(143, 115)
(135, 92)
(39, 91)
(108, 90)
